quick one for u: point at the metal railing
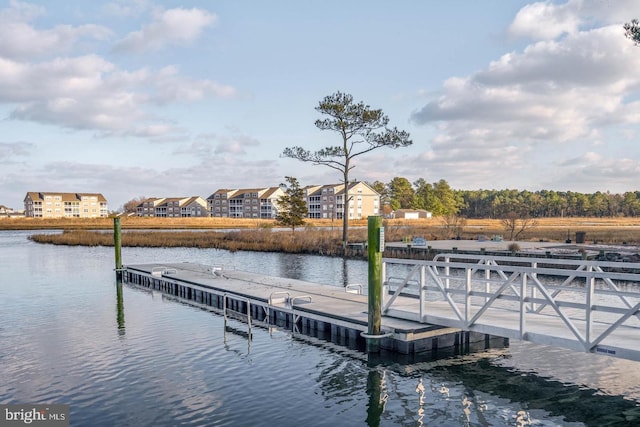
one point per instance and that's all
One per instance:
(585, 305)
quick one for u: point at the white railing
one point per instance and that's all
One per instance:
(584, 305)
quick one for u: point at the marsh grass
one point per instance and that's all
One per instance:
(317, 237)
(132, 222)
(313, 241)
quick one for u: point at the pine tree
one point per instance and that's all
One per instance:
(292, 206)
(361, 129)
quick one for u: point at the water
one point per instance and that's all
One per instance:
(162, 363)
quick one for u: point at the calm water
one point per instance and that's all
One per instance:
(162, 363)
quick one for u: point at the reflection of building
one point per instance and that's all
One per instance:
(329, 201)
(173, 207)
(245, 203)
(69, 205)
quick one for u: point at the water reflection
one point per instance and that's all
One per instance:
(420, 391)
(237, 332)
(119, 307)
(345, 273)
(573, 402)
(176, 367)
(376, 390)
(291, 267)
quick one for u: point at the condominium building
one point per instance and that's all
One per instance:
(323, 202)
(173, 207)
(245, 203)
(359, 201)
(61, 205)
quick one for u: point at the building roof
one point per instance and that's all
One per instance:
(66, 197)
(270, 192)
(193, 199)
(337, 188)
(226, 191)
(163, 201)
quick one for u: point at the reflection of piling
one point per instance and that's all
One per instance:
(377, 397)
(119, 307)
(117, 244)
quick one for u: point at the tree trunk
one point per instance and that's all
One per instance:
(345, 215)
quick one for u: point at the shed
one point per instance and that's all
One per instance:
(411, 214)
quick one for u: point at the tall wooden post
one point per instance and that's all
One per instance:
(375, 247)
(117, 244)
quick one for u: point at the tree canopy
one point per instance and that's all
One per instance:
(131, 205)
(441, 200)
(361, 128)
(632, 31)
(292, 206)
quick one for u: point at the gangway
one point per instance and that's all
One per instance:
(582, 305)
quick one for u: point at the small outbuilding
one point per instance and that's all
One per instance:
(411, 214)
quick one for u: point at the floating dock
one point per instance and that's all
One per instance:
(337, 314)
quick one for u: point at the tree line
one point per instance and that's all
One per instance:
(442, 200)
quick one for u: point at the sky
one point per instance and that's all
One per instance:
(159, 98)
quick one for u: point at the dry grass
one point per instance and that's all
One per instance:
(318, 237)
(129, 223)
(323, 238)
(602, 230)
(316, 241)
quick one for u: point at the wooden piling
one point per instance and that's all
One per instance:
(117, 244)
(375, 249)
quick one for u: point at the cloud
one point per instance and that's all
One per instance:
(91, 93)
(174, 26)
(126, 8)
(20, 40)
(209, 146)
(172, 87)
(545, 21)
(11, 150)
(594, 170)
(552, 92)
(127, 182)
(235, 144)
(200, 149)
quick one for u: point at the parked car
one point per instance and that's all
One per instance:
(419, 241)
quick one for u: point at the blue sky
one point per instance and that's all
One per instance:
(180, 98)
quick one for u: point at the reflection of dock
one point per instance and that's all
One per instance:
(308, 308)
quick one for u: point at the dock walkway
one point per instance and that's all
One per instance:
(299, 305)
